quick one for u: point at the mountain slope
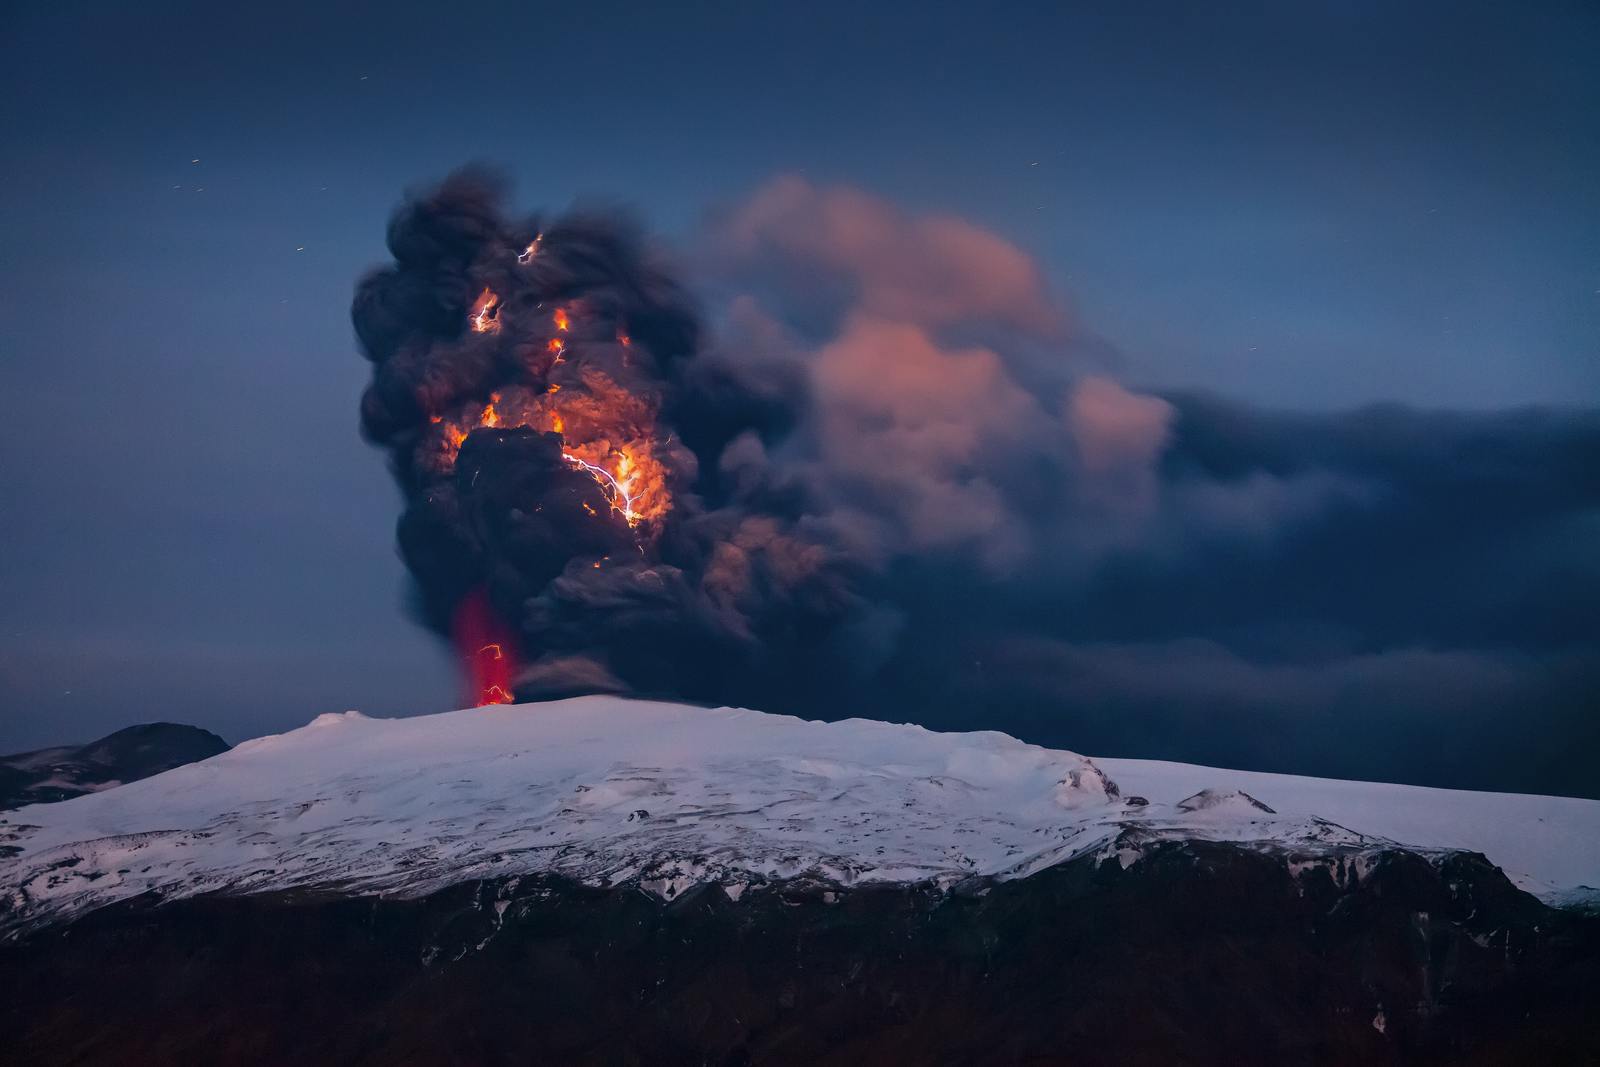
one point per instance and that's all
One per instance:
(607, 881)
(66, 771)
(608, 791)
(1548, 846)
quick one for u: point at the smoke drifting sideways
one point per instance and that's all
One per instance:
(587, 508)
(898, 480)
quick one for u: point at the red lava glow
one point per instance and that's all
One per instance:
(487, 647)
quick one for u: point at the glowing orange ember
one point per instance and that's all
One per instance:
(608, 433)
(485, 316)
(563, 323)
(490, 417)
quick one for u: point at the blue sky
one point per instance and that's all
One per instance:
(1310, 206)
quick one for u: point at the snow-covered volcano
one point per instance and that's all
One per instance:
(610, 791)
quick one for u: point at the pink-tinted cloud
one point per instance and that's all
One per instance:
(930, 270)
(919, 426)
(941, 442)
(1119, 437)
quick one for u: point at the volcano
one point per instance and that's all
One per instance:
(687, 884)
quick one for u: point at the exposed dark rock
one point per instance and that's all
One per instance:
(1208, 799)
(1196, 953)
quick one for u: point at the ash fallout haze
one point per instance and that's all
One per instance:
(1219, 388)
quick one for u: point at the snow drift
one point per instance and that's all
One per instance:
(611, 791)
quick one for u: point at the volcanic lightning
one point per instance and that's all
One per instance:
(484, 318)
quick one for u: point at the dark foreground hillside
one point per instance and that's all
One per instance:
(1198, 953)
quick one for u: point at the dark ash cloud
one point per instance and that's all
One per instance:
(567, 452)
(899, 489)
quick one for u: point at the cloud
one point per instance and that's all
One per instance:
(1475, 717)
(927, 270)
(1119, 436)
(922, 415)
(1092, 564)
(881, 508)
(916, 426)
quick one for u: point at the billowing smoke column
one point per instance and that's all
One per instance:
(586, 503)
(904, 484)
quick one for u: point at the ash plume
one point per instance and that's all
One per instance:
(891, 476)
(573, 465)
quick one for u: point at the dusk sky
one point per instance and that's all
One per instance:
(1269, 220)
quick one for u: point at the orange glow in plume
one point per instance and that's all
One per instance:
(607, 432)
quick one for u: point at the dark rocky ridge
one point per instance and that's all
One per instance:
(1198, 953)
(66, 771)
